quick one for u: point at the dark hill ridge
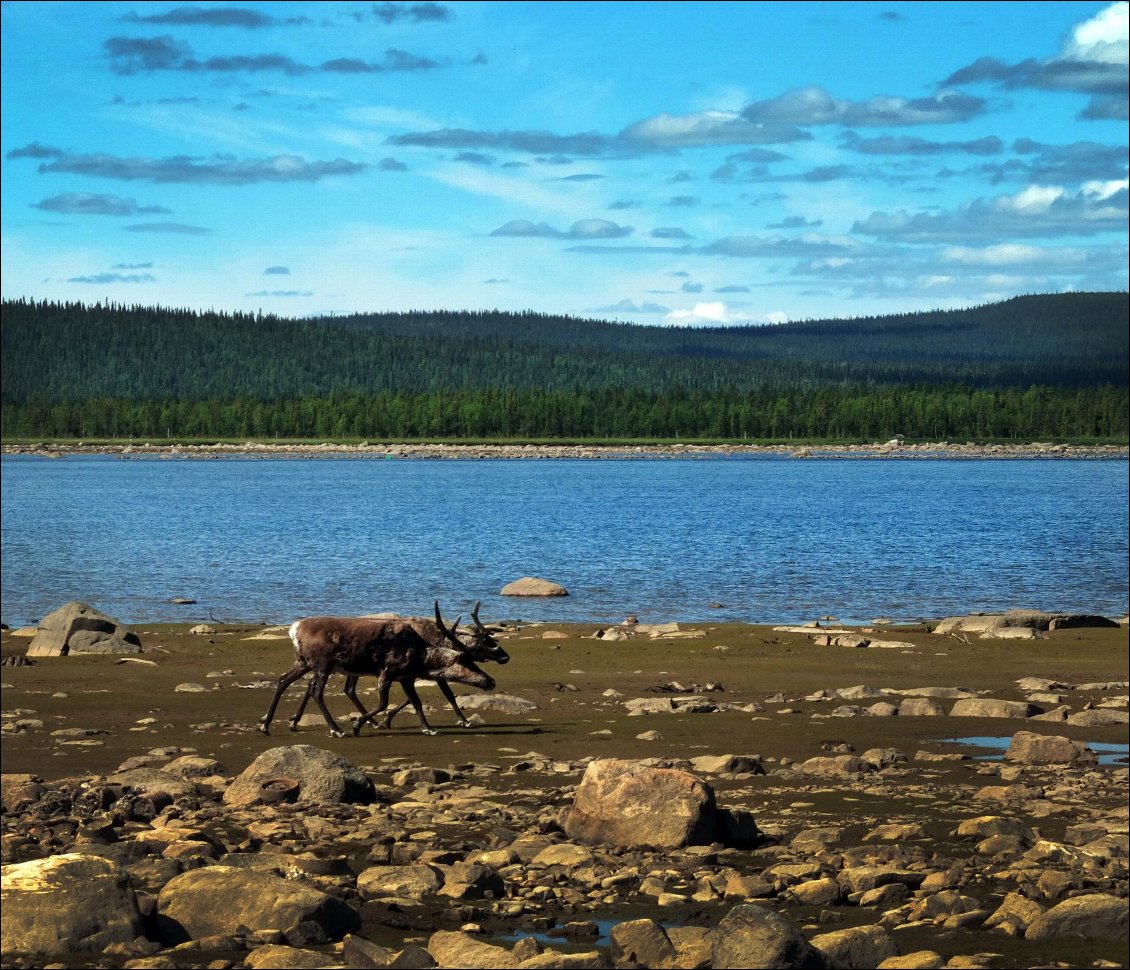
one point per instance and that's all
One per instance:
(72, 352)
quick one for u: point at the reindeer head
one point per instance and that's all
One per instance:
(455, 666)
(482, 645)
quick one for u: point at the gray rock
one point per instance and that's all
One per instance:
(1098, 718)
(79, 628)
(218, 900)
(920, 707)
(274, 957)
(321, 776)
(857, 948)
(626, 803)
(838, 766)
(1095, 917)
(17, 791)
(1040, 749)
(989, 707)
(410, 882)
(714, 764)
(162, 787)
(501, 703)
(65, 904)
(532, 586)
(753, 936)
(455, 949)
(640, 942)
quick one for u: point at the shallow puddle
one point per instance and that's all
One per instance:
(1109, 754)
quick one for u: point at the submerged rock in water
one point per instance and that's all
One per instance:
(533, 586)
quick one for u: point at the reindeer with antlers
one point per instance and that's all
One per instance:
(395, 651)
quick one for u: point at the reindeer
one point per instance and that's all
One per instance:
(482, 646)
(395, 651)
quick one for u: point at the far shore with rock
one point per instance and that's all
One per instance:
(893, 448)
(634, 795)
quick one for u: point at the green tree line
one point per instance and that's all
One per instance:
(955, 412)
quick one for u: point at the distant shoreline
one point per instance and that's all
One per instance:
(370, 450)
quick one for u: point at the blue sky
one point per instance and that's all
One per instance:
(647, 162)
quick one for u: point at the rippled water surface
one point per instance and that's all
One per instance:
(769, 540)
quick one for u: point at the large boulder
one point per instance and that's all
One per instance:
(64, 904)
(754, 936)
(640, 943)
(319, 777)
(995, 624)
(856, 948)
(79, 628)
(626, 803)
(1098, 916)
(532, 586)
(456, 949)
(1041, 749)
(218, 900)
(991, 707)
(406, 882)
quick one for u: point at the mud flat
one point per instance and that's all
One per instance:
(148, 823)
(891, 449)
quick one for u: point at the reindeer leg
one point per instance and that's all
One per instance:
(300, 669)
(389, 715)
(383, 685)
(410, 690)
(292, 724)
(447, 692)
(351, 692)
(319, 688)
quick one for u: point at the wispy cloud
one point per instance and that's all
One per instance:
(138, 55)
(191, 16)
(910, 145)
(277, 271)
(582, 229)
(170, 228)
(814, 106)
(630, 306)
(391, 13)
(114, 278)
(78, 203)
(218, 170)
(1034, 212)
(532, 142)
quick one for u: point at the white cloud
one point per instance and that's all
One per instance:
(1103, 38)
(710, 313)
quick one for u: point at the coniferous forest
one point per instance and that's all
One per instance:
(1030, 368)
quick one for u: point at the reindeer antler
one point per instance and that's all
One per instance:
(475, 616)
(449, 634)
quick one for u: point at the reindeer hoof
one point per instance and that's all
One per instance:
(265, 730)
(292, 726)
(465, 724)
(430, 732)
(337, 734)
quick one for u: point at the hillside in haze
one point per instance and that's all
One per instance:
(99, 370)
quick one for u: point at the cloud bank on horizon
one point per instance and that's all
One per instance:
(708, 163)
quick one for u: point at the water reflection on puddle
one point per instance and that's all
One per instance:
(1109, 754)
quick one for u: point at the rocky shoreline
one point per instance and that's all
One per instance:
(725, 796)
(371, 450)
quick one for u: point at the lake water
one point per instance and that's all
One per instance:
(771, 540)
